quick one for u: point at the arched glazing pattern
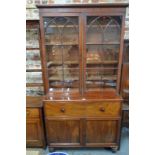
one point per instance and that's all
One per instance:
(102, 47)
(103, 29)
(62, 51)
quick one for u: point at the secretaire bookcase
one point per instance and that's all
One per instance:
(81, 51)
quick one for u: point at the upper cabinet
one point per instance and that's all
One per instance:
(82, 47)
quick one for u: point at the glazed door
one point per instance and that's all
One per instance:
(102, 50)
(61, 51)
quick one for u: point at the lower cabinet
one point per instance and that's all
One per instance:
(99, 127)
(34, 128)
(63, 132)
(101, 132)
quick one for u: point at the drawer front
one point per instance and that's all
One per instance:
(32, 112)
(64, 109)
(109, 109)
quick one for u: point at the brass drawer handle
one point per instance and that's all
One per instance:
(102, 109)
(62, 110)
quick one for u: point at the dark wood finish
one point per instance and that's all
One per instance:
(125, 118)
(120, 54)
(64, 109)
(33, 133)
(125, 85)
(32, 23)
(32, 48)
(101, 5)
(43, 57)
(100, 132)
(63, 131)
(81, 12)
(83, 123)
(125, 82)
(103, 109)
(34, 101)
(33, 70)
(32, 112)
(89, 109)
(125, 72)
(35, 136)
(34, 84)
(81, 117)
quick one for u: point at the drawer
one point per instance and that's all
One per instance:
(64, 109)
(109, 109)
(32, 112)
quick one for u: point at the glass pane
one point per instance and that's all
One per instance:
(62, 52)
(103, 30)
(100, 77)
(102, 50)
(99, 54)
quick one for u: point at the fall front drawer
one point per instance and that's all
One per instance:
(82, 109)
(100, 109)
(64, 109)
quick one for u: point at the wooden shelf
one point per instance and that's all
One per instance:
(96, 62)
(62, 26)
(88, 26)
(74, 84)
(35, 48)
(103, 26)
(61, 63)
(101, 68)
(33, 70)
(106, 43)
(103, 78)
(34, 84)
(80, 5)
(66, 44)
(56, 78)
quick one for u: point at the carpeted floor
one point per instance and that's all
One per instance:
(124, 148)
(33, 152)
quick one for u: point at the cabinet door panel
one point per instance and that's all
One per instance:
(101, 131)
(33, 132)
(63, 131)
